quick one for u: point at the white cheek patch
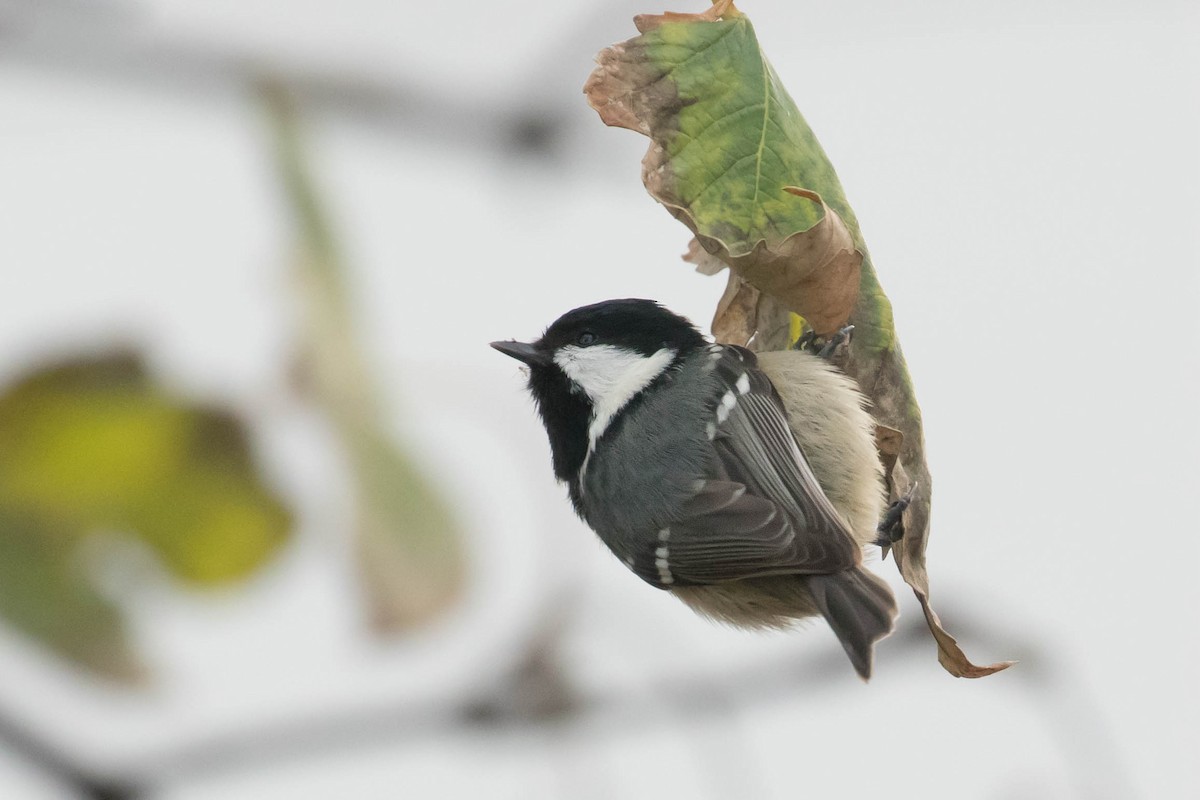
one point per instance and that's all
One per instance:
(611, 377)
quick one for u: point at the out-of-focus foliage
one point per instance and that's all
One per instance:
(93, 446)
(408, 541)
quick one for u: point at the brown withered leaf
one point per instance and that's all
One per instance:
(774, 325)
(706, 263)
(815, 273)
(745, 316)
(888, 442)
(408, 536)
(736, 319)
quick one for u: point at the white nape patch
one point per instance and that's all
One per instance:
(743, 384)
(611, 377)
(664, 534)
(715, 352)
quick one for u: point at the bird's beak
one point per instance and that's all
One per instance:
(522, 351)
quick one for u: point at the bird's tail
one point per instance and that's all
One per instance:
(860, 609)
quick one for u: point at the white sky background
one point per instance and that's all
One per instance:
(1026, 176)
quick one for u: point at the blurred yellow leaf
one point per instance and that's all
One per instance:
(92, 446)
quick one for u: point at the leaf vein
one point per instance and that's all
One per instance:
(693, 137)
(762, 140)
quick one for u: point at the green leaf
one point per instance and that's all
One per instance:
(733, 159)
(46, 593)
(93, 447)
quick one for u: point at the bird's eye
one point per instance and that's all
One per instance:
(586, 338)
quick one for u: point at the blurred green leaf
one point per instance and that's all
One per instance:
(45, 592)
(94, 446)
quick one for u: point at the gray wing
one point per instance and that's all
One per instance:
(762, 511)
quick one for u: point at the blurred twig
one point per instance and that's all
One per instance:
(1062, 706)
(108, 41)
(18, 740)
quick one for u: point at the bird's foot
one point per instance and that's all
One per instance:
(891, 527)
(838, 340)
(807, 341)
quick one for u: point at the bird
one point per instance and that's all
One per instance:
(747, 485)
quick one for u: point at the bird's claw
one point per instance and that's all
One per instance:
(807, 341)
(891, 527)
(809, 344)
(836, 341)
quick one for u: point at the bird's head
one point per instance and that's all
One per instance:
(591, 362)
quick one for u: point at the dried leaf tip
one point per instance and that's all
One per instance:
(721, 9)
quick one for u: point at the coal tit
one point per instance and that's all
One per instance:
(746, 485)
